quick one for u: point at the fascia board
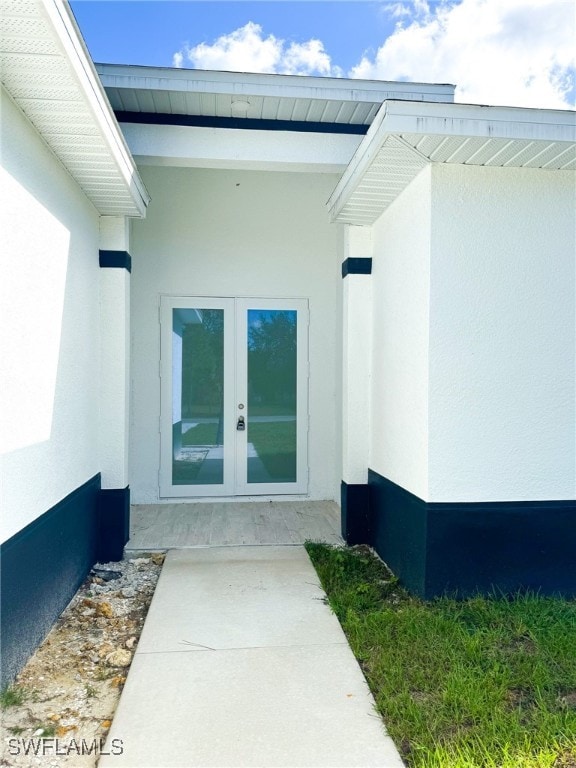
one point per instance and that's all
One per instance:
(472, 120)
(242, 83)
(70, 38)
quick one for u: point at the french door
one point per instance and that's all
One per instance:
(234, 408)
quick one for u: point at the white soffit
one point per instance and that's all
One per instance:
(48, 72)
(159, 90)
(406, 136)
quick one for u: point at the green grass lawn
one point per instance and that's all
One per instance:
(269, 438)
(275, 444)
(478, 683)
(201, 434)
(272, 438)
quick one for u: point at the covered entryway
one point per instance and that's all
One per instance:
(239, 210)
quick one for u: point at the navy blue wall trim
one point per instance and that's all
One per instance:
(356, 267)
(118, 259)
(465, 548)
(399, 531)
(42, 566)
(246, 123)
(113, 523)
(355, 512)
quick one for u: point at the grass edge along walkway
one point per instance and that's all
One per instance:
(486, 682)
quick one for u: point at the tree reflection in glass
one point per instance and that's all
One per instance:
(198, 396)
(272, 376)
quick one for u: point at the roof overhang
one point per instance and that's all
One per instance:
(292, 100)
(47, 71)
(406, 136)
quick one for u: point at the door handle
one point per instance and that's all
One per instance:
(240, 425)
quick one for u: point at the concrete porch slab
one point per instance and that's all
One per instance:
(220, 524)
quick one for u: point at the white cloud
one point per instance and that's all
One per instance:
(247, 50)
(412, 8)
(398, 10)
(510, 52)
(304, 58)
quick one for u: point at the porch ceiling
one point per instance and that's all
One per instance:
(405, 137)
(48, 72)
(324, 100)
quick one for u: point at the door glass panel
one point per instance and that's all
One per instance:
(197, 396)
(271, 416)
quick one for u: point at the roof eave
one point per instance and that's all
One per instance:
(71, 38)
(43, 36)
(256, 84)
(397, 119)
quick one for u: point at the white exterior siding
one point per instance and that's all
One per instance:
(50, 321)
(502, 335)
(235, 233)
(400, 295)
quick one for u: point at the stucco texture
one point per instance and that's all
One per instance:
(50, 328)
(473, 365)
(502, 334)
(400, 332)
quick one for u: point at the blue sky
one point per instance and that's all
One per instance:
(150, 32)
(515, 52)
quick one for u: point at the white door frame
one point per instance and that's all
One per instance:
(236, 444)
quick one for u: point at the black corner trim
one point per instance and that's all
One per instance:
(355, 513)
(246, 123)
(356, 267)
(117, 259)
(113, 523)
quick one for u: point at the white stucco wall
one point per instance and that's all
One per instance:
(400, 298)
(114, 357)
(49, 328)
(502, 334)
(114, 376)
(356, 358)
(235, 233)
(473, 366)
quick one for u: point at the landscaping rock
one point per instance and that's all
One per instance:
(119, 658)
(105, 609)
(73, 682)
(106, 575)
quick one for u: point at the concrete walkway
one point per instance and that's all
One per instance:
(241, 663)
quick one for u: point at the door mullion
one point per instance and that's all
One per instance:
(241, 391)
(229, 393)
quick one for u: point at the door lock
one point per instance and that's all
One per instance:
(240, 425)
